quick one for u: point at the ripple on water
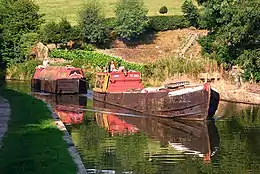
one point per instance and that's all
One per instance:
(111, 143)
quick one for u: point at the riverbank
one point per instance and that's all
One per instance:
(33, 143)
(247, 93)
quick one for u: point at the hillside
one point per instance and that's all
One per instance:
(160, 45)
(55, 9)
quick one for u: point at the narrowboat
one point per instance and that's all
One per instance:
(198, 138)
(59, 80)
(125, 90)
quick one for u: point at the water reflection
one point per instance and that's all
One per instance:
(146, 145)
(199, 138)
(67, 107)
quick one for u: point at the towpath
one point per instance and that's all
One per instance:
(5, 113)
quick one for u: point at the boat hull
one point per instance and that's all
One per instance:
(60, 86)
(188, 103)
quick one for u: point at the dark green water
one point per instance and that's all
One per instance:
(116, 143)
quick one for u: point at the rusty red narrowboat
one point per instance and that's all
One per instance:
(59, 80)
(180, 100)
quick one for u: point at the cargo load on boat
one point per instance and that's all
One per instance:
(59, 80)
(125, 90)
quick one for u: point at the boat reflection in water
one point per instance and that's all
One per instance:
(195, 138)
(67, 107)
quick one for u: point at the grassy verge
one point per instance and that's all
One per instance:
(33, 144)
(22, 71)
(55, 9)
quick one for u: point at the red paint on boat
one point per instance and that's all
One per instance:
(59, 79)
(117, 125)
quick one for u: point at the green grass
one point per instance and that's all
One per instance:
(33, 144)
(55, 9)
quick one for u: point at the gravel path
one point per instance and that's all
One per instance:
(5, 113)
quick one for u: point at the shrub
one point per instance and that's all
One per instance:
(250, 62)
(93, 24)
(22, 71)
(88, 47)
(61, 32)
(65, 30)
(111, 23)
(131, 18)
(163, 10)
(27, 41)
(49, 33)
(190, 12)
(162, 23)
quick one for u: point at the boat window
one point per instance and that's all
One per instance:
(75, 71)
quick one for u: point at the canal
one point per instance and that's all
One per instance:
(124, 143)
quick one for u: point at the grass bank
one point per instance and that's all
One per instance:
(33, 144)
(55, 9)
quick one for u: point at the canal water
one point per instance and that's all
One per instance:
(124, 143)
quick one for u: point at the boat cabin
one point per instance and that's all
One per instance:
(117, 81)
(58, 72)
(59, 79)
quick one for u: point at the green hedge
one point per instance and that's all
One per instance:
(158, 23)
(81, 57)
(111, 22)
(162, 23)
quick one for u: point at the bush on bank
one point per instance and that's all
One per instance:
(82, 57)
(22, 71)
(163, 23)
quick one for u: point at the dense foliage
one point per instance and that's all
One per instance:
(93, 23)
(162, 23)
(190, 13)
(234, 32)
(17, 18)
(61, 32)
(27, 41)
(82, 57)
(131, 18)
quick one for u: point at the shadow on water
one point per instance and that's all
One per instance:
(110, 142)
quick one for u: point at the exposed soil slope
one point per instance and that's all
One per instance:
(159, 45)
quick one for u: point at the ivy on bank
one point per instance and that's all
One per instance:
(95, 59)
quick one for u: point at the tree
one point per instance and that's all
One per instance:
(65, 30)
(61, 32)
(92, 22)
(131, 18)
(1, 35)
(190, 12)
(18, 17)
(27, 41)
(163, 10)
(50, 33)
(234, 30)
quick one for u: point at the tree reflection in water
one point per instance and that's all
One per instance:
(145, 145)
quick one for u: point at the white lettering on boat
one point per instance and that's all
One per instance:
(116, 75)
